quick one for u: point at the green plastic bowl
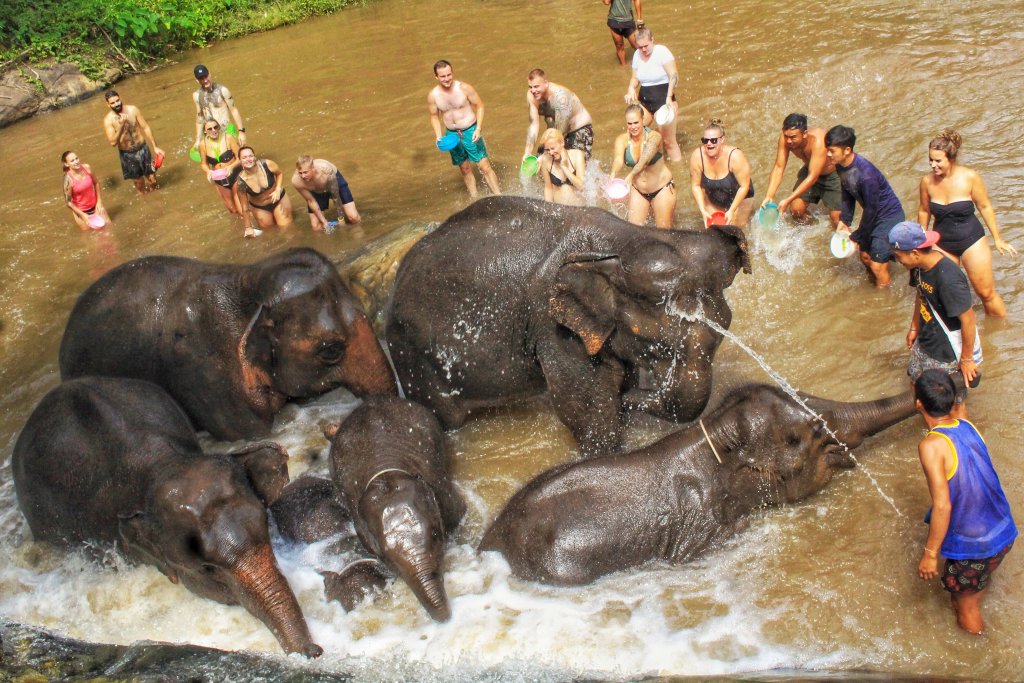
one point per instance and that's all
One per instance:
(529, 167)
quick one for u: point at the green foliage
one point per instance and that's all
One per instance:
(97, 33)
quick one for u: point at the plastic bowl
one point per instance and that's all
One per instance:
(717, 218)
(616, 190)
(448, 142)
(768, 215)
(529, 167)
(219, 174)
(232, 130)
(193, 154)
(841, 245)
(664, 115)
(97, 222)
(159, 160)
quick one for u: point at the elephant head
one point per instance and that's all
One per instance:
(404, 527)
(205, 528)
(307, 334)
(646, 305)
(776, 449)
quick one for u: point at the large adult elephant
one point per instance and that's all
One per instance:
(230, 343)
(115, 460)
(513, 295)
(678, 497)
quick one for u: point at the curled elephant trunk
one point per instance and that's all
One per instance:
(264, 591)
(853, 422)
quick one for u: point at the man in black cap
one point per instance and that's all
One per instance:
(214, 101)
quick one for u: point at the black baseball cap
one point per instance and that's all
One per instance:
(201, 72)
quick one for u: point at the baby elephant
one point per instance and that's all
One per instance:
(389, 462)
(676, 498)
(116, 461)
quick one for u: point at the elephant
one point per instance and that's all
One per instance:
(115, 460)
(389, 464)
(512, 296)
(230, 343)
(680, 496)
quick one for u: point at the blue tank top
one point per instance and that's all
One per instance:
(980, 524)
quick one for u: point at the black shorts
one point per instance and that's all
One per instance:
(623, 28)
(137, 162)
(323, 199)
(654, 97)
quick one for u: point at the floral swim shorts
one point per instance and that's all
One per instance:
(971, 576)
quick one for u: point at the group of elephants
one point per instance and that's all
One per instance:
(508, 298)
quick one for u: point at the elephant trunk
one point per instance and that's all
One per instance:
(365, 369)
(265, 593)
(427, 584)
(853, 422)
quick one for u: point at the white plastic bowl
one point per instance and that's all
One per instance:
(841, 245)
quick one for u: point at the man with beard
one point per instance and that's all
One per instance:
(127, 129)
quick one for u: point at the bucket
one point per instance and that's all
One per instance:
(717, 218)
(529, 167)
(768, 215)
(616, 190)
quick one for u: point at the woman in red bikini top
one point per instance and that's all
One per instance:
(82, 192)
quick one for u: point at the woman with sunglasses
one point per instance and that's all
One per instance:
(259, 193)
(649, 178)
(653, 85)
(720, 178)
(82, 191)
(218, 151)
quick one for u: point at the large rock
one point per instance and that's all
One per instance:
(26, 91)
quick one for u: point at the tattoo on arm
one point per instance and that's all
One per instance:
(673, 80)
(646, 152)
(563, 112)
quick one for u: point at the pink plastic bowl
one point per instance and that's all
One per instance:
(616, 190)
(218, 174)
(96, 221)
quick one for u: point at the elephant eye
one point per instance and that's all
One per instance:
(331, 353)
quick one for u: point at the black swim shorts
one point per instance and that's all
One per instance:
(136, 162)
(623, 28)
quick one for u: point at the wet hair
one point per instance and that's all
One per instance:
(537, 73)
(110, 93)
(644, 33)
(551, 134)
(948, 142)
(64, 159)
(717, 125)
(440, 63)
(794, 120)
(936, 392)
(303, 161)
(635, 108)
(840, 136)
(246, 147)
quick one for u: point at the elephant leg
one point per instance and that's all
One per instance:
(425, 384)
(585, 396)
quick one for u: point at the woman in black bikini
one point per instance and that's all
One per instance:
(951, 193)
(720, 178)
(563, 169)
(219, 150)
(259, 193)
(649, 179)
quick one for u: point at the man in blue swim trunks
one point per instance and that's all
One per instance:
(865, 185)
(319, 181)
(455, 107)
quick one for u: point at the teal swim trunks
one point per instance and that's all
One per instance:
(467, 149)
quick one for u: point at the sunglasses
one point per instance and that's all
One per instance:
(710, 141)
(210, 129)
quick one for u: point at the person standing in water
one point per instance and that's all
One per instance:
(653, 85)
(970, 523)
(563, 169)
(731, 190)
(214, 101)
(816, 182)
(126, 129)
(259, 193)
(218, 151)
(561, 109)
(81, 191)
(624, 18)
(456, 107)
(865, 185)
(952, 193)
(640, 149)
(319, 181)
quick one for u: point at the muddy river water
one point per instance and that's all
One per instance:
(827, 584)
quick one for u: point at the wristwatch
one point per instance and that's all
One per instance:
(241, 130)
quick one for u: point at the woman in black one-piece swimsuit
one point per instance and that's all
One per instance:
(951, 193)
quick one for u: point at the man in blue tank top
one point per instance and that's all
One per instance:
(970, 523)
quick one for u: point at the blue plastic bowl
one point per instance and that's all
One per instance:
(448, 142)
(768, 215)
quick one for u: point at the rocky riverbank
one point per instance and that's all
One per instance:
(29, 90)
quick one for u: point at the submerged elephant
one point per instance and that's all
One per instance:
(115, 460)
(676, 498)
(512, 295)
(230, 343)
(389, 462)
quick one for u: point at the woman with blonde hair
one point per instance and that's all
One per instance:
(218, 151)
(951, 194)
(720, 178)
(653, 85)
(564, 170)
(82, 191)
(649, 177)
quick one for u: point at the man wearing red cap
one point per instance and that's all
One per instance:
(943, 333)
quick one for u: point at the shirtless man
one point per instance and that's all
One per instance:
(214, 101)
(561, 110)
(319, 181)
(455, 106)
(127, 129)
(816, 182)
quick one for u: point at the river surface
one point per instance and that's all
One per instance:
(826, 584)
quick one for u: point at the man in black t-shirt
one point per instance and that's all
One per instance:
(942, 292)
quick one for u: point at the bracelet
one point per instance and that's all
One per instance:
(933, 553)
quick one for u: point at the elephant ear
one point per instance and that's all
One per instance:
(738, 236)
(136, 536)
(266, 465)
(255, 356)
(583, 298)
